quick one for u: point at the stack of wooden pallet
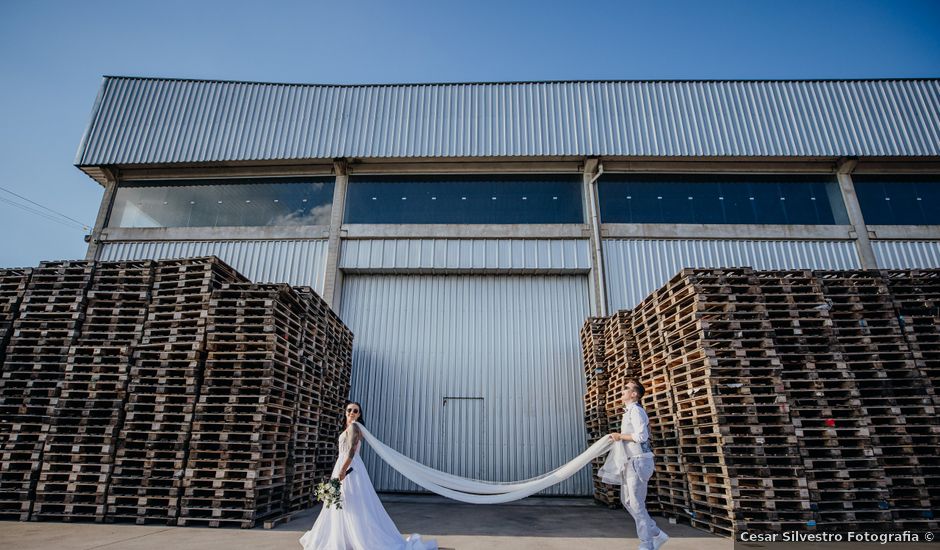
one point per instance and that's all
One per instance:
(237, 468)
(737, 441)
(306, 466)
(170, 391)
(669, 483)
(789, 399)
(916, 297)
(79, 451)
(47, 323)
(13, 284)
(595, 373)
(164, 383)
(898, 401)
(596, 376)
(845, 481)
(622, 357)
(327, 370)
(622, 352)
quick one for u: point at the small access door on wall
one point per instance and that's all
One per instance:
(462, 436)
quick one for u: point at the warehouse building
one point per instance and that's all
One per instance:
(465, 231)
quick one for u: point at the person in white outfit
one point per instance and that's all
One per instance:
(362, 523)
(636, 466)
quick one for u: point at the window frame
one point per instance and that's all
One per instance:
(828, 178)
(217, 181)
(578, 214)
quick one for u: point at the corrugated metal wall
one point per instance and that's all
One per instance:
(458, 254)
(297, 262)
(510, 340)
(636, 267)
(463, 436)
(907, 254)
(151, 120)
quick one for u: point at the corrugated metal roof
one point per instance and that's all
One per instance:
(150, 120)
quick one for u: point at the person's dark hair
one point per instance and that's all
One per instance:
(640, 390)
(361, 420)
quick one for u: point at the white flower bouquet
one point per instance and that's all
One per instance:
(330, 494)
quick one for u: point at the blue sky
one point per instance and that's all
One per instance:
(53, 54)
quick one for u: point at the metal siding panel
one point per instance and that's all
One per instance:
(300, 263)
(636, 267)
(140, 120)
(463, 451)
(496, 254)
(907, 254)
(512, 340)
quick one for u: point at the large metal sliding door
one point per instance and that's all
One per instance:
(504, 350)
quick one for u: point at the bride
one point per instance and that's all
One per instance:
(362, 523)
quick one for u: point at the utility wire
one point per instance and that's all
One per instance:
(42, 214)
(85, 226)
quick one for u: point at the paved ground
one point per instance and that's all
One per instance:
(532, 524)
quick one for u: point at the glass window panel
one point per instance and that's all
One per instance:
(706, 205)
(928, 202)
(223, 203)
(721, 199)
(899, 199)
(738, 202)
(484, 199)
(798, 204)
(766, 203)
(676, 205)
(644, 199)
(871, 198)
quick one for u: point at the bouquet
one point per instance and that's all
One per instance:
(330, 494)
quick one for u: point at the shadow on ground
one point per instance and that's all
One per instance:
(534, 517)
(532, 524)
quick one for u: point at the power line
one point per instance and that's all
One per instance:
(42, 214)
(84, 225)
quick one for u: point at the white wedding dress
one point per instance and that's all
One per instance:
(362, 523)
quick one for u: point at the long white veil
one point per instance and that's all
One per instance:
(474, 491)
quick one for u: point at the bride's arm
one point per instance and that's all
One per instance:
(353, 445)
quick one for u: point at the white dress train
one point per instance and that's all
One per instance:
(362, 523)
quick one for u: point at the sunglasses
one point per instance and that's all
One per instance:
(352, 411)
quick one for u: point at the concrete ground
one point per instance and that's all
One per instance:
(530, 524)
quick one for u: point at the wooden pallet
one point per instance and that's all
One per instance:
(47, 322)
(805, 389)
(132, 396)
(237, 469)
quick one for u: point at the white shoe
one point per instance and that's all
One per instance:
(660, 540)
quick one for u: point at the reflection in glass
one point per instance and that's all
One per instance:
(724, 199)
(899, 200)
(494, 199)
(223, 203)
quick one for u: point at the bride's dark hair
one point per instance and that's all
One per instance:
(361, 420)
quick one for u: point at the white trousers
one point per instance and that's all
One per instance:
(636, 477)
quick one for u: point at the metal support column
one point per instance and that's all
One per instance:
(592, 170)
(94, 238)
(866, 254)
(333, 282)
